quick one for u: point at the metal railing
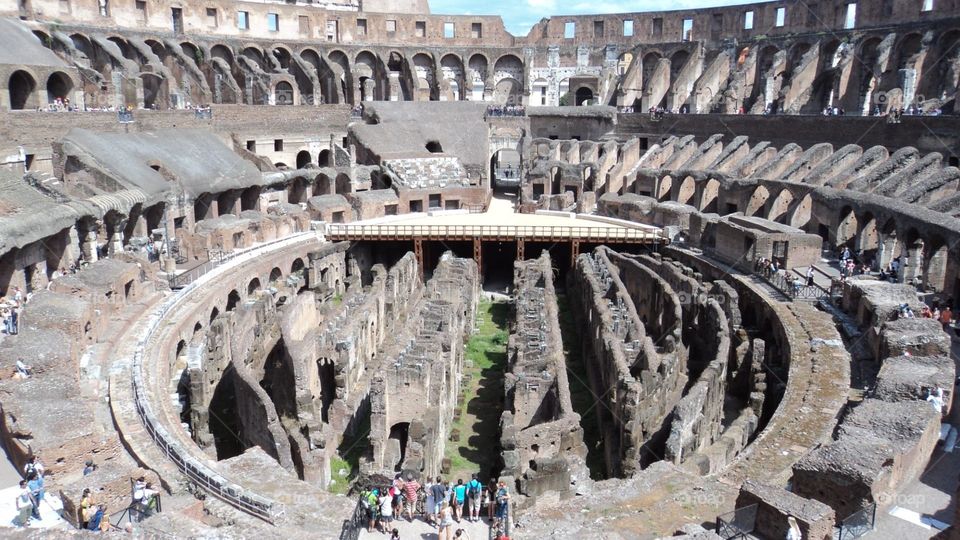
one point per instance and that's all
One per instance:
(525, 232)
(214, 259)
(737, 524)
(857, 524)
(195, 470)
(793, 287)
(357, 522)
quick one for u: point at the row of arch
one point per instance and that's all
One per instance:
(875, 237)
(23, 86)
(280, 74)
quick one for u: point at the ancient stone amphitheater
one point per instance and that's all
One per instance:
(267, 255)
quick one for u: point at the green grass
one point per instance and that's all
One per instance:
(481, 399)
(581, 396)
(348, 457)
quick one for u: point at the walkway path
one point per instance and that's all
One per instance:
(50, 510)
(927, 504)
(421, 530)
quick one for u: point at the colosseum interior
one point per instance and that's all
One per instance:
(665, 274)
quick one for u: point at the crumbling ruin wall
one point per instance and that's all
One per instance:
(542, 440)
(642, 380)
(413, 397)
(886, 441)
(775, 505)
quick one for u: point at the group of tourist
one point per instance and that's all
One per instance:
(506, 110)
(31, 492)
(833, 111)
(446, 503)
(11, 309)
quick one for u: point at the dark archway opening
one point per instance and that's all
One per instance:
(303, 159)
(21, 87)
(58, 86)
(232, 300)
(328, 387)
(400, 432)
(323, 159)
(279, 381)
(584, 96)
(434, 147)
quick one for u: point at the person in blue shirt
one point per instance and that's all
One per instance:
(474, 495)
(460, 495)
(35, 485)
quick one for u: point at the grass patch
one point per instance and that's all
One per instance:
(480, 403)
(348, 457)
(581, 396)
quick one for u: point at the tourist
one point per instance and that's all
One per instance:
(429, 500)
(368, 502)
(503, 501)
(397, 492)
(410, 489)
(793, 531)
(810, 276)
(446, 521)
(935, 399)
(395, 534)
(385, 503)
(87, 508)
(439, 491)
(24, 505)
(461, 534)
(33, 465)
(89, 467)
(459, 495)
(35, 484)
(145, 497)
(946, 317)
(474, 490)
(23, 370)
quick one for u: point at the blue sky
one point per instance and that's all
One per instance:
(520, 15)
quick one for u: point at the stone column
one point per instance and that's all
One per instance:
(89, 245)
(115, 242)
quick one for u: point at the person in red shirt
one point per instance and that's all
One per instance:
(410, 488)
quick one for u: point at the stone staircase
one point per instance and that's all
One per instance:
(434, 172)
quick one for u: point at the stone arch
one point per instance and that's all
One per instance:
(802, 212)
(323, 158)
(935, 263)
(283, 56)
(423, 67)
(686, 190)
(297, 190)
(59, 85)
(454, 77)
(583, 96)
(214, 313)
(846, 231)
(303, 159)
(888, 246)
(369, 77)
(478, 66)
(253, 286)
(343, 184)
(709, 198)
(222, 52)
(780, 206)
(22, 88)
(665, 187)
(758, 199)
(276, 275)
(322, 185)
(283, 93)
(907, 48)
(868, 238)
(507, 79)
(255, 55)
(233, 299)
(297, 265)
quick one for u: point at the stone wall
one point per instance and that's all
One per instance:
(413, 398)
(542, 441)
